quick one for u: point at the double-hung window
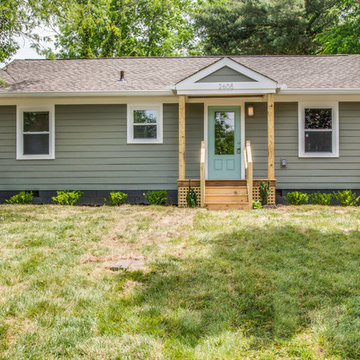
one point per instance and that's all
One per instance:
(318, 130)
(144, 124)
(35, 133)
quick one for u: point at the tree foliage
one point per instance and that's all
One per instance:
(261, 27)
(343, 36)
(110, 28)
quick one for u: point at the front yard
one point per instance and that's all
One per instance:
(264, 284)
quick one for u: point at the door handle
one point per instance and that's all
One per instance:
(238, 150)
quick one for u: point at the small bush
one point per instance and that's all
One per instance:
(117, 198)
(297, 198)
(321, 198)
(21, 198)
(67, 197)
(264, 192)
(346, 198)
(156, 197)
(257, 204)
(191, 197)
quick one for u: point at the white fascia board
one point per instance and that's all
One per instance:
(300, 91)
(261, 81)
(87, 93)
(226, 92)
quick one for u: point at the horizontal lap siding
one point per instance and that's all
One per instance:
(302, 173)
(92, 152)
(194, 136)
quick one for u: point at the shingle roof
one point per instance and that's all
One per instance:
(158, 73)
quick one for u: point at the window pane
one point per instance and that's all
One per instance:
(318, 118)
(145, 116)
(145, 132)
(36, 144)
(318, 141)
(36, 121)
(224, 132)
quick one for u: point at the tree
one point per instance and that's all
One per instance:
(20, 17)
(260, 26)
(343, 37)
(110, 28)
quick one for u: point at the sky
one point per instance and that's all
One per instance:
(25, 51)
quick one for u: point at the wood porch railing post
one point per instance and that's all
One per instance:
(271, 136)
(202, 174)
(182, 139)
(249, 172)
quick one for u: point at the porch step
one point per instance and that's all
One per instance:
(226, 194)
(225, 183)
(227, 205)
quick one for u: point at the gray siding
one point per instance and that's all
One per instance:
(302, 173)
(92, 153)
(226, 74)
(194, 136)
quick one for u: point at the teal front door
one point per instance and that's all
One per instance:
(224, 142)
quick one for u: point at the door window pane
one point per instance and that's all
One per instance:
(36, 144)
(318, 141)
(36, 121)
(224, 132)
(318, 118)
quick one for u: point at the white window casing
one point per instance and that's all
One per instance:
(334, 106)
(20, 132)
(131, 108)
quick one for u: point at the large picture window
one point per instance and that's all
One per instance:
(144, 124)
(318, 130)
(35, 133)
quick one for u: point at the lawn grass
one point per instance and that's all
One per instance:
(264, 284)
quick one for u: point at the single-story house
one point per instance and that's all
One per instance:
(140, 124)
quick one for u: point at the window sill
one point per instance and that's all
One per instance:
(35, 157)
(319, 156)
(142, 142)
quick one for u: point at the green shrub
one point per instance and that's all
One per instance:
(264, 192)
(257, 204)
(191, 197)
(156, 197)
(21, 198)
(67, 197)
(297, 198)
(346, 198)
(321, 198)
(117, 198)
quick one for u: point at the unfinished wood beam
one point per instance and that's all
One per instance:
(182, 139)
(271, 136)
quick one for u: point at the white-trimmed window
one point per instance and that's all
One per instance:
(144, 124)
(35, 133)
(318, 130)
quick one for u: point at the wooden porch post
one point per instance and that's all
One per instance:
(271, 136)
(182, 100)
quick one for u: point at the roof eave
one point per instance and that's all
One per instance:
(87, 93)
(313, 91)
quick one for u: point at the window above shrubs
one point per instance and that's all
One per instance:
(318, 130)
(144, 124)
(35, 133)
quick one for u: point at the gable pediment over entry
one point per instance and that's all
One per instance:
(226, 76)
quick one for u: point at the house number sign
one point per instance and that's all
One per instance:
(226, 86)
